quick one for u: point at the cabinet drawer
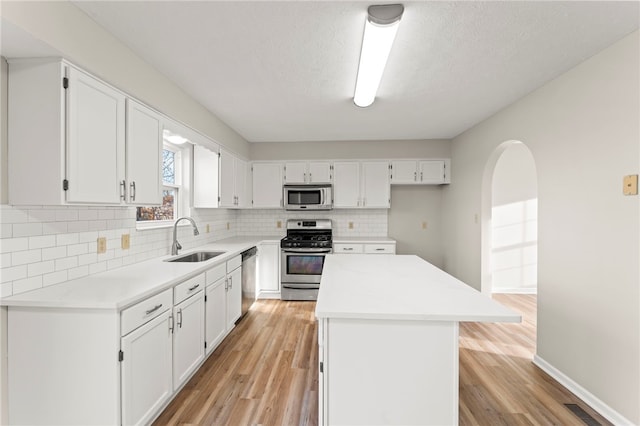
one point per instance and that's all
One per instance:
(139, 314)
(347, 248)
(216, 273)
(188, 288)
(380, 248)
(234, 263)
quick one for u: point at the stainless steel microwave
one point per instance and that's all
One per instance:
(308, 197)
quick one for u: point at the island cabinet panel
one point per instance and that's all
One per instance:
(388, 372)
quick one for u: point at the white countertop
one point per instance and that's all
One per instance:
(359, 240)
(400, 287)
(123, 287)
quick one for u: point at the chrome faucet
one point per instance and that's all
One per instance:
(176, 245)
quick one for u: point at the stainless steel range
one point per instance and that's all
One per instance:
(303, 251)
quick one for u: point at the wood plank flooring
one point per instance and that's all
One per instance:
(265, 373)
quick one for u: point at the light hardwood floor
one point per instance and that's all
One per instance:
(265, 373)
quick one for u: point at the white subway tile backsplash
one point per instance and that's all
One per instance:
(54, 253)
(6, 289)
(40, 268)
(6, 230)
(66, 215)
(13, 273)
(27, 229)
(42, 241)
(79, 272)
(87, 215)
(66, 263)
(67, 239)
(78, 226)
(76, 249)
(27, 284)
(95, 268)
(9, 245)
(54, 278)
(26, 256)
(86, 259)
(54, 228)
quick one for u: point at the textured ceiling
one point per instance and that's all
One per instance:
(285, 71)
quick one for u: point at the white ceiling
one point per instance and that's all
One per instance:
(285, 71)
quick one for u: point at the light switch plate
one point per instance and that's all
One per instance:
(102, 245)
(279, 224)
(350, 225)
(630, 185)
(424, 225)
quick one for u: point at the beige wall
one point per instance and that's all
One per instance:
(350, 150)
(68, 30)
(583, 131)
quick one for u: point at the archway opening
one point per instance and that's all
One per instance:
(509, 221)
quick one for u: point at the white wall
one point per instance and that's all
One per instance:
(583, 131)
(70, 31)
(514, 222)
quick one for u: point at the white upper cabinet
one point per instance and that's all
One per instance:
(233, 178)
(95, 140)
(267, 181)
(75, 139)
(143, 155)
(361, 184)
(205, 177)
(425, 172)
(308, 172)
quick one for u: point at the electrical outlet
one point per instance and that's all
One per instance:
(475, 218)
(424, 225)
(102, 245)
(208, 228)
(350, 225)
(228, 225)
(125, 242)
(279, 224)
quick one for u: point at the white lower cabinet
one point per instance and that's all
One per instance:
(269, 269)
(188, 338)
(215, 307)
(234, 291)
(146, 370)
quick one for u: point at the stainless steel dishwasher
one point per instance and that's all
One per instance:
(249, 281)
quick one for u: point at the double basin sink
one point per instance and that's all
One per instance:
(196, 256)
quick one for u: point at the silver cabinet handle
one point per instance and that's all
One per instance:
(194, 287)
(348, 249)
(171, 324)
(133, 191)
(420, 176)
(310, 178)
(415, 176)
(231, 282)
(180, 317)
(379, 249)
(152, 310)
(226, 284)
(123, 190)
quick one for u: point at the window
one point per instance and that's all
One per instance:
(172, 189)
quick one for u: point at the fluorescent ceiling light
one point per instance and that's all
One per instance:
(379, 34)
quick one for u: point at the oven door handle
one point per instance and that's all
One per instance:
(305, 251)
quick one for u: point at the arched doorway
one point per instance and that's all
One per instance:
(509, 221)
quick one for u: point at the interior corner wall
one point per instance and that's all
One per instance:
(68, 30)
(583, 131)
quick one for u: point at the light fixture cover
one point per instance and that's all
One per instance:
(379, 33)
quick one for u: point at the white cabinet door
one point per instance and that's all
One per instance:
(303, 172)
(242, 174)
(346, 184)
(375, 184)
(227, 179)
(268, 267)
(205, 177)
(146, 370)
(319, 172)
(144, 147)
(234, 297)
(188, 338)
(215, 314)
(267, 185)
(95, 140)
(404, 172)
(432, 171)
(296, 172)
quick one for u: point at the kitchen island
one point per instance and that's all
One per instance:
(388, 340)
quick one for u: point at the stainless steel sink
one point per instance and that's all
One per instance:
(197, 256)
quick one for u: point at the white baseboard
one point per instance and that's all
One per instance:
(515, 290)
(269, 295)
(603, 409)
